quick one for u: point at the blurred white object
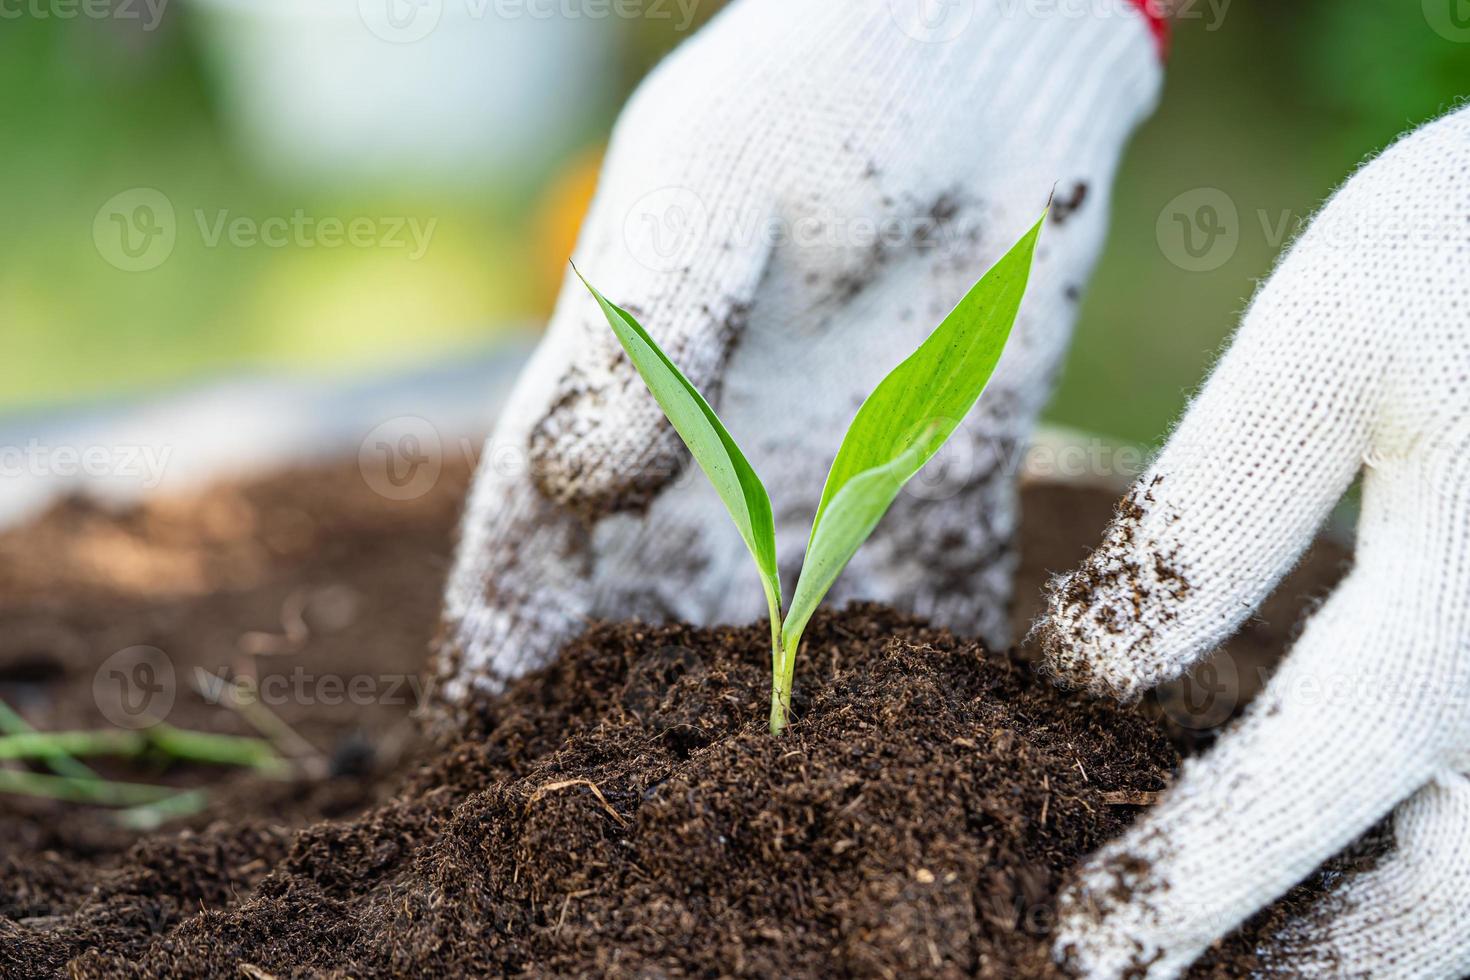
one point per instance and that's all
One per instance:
(420, 88)
(118, 454)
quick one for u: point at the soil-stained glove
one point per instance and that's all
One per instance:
(1354, 356)
(789, 204)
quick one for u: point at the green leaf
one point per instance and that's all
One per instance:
(712, 447)
(903, 423)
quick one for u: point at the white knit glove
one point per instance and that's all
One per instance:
(789, 204)
(1354, 356)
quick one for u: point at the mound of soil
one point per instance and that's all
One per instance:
(623, 812)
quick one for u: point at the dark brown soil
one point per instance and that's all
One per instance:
(622, 813)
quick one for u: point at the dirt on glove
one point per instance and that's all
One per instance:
(622, 813)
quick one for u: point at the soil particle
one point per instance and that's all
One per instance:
(849, 284)
(1064, 207)
(944, 209)
(910, 227)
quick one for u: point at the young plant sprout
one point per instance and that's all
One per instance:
(903, 423)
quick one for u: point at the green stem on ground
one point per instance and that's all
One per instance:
(220, 750)
(206, 747)
(103, 792)
(151, 816)
(11, 723)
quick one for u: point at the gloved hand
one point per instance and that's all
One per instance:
(1354, 356)
(789, 204)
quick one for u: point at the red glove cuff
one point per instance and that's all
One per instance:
(1153, 10)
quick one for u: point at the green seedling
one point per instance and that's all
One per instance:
(162, 741)
(143, 807)
(11, 723)
(898, 428)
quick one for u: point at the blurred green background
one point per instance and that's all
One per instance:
(1274, 104)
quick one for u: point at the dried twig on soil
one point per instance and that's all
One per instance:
(1131, 797)
(242, 695)
(567, 784)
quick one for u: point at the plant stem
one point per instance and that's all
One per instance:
(228, 750)
(779, 702)
(151, 816)
(102, 792)
(220, 750)
(11, 723)
(781, 691)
